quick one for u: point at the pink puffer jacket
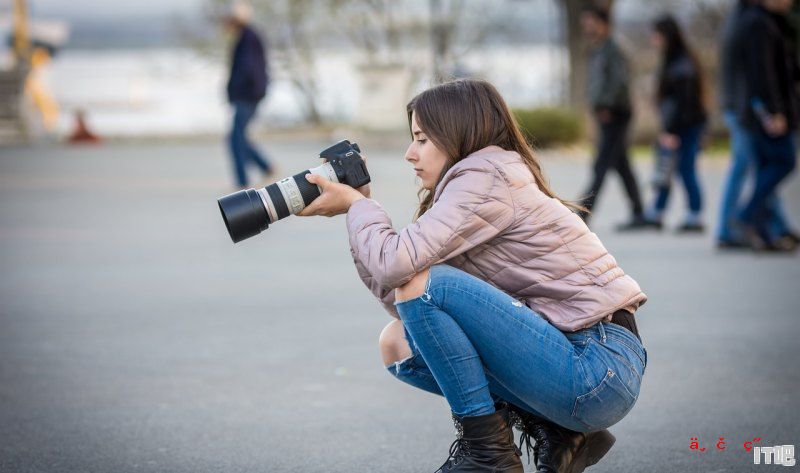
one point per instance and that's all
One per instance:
(490, 219)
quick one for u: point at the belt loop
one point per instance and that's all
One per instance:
(602, 329)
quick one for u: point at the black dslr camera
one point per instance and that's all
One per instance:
(249, 212)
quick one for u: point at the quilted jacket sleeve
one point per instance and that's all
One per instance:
(474, 206)
(384, 295)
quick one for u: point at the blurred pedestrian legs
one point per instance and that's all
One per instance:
(777, 158)
(686, 167)
(241, 148)
(742, 170)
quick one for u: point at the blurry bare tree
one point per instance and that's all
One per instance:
(444, 17)
(388, 30)
(455, 28)
(295, 30)
(384, 31)
(376, 27)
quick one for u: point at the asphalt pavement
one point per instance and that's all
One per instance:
(135, 337)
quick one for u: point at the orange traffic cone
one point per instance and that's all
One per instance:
(81, 132)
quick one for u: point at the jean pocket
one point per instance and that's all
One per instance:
(644, 350)
(606, 404)
(628, 357)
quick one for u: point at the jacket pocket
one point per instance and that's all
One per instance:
(605, 405)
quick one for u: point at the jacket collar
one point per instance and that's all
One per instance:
(484, 153)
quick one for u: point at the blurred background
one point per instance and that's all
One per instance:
(157, 68)
(135, 337)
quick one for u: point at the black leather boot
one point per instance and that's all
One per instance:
(484, 444)
(557, 449)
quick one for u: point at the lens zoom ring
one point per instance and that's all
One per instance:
(308, 191)
(277, 200)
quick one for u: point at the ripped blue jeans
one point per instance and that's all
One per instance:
(474, 344)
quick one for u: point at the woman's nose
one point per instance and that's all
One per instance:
(410, 154)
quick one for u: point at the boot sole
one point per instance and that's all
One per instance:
(593, 450)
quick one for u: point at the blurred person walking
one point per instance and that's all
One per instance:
(733, 98)
(39, 90)
(679, 97)
(770, 112)
(609, 97)
(246, 87)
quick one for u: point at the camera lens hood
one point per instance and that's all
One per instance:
(244, 214)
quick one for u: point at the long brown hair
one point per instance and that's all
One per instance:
(467, 115)
(677, 47)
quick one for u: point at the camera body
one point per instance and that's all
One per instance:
(346, 160)
(249, 212)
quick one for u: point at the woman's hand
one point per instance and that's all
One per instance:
(604, 115)
(776, 125)
(670, 141)
(336, 198)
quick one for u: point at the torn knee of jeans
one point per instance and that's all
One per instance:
(422, 297)
(396, 366)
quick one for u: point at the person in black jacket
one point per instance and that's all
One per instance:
(770, 111)
(680, 98)
(246, 87)
(743, 161)
(609, 97)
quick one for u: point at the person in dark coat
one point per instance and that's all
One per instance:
(246, 87)
(743, 155)
(609, 98)
(770, 112)
(679, 98)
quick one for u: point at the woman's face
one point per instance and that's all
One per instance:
(427, 159)
(657, 40)
(778, 6)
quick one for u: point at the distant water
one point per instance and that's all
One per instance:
(178, 91)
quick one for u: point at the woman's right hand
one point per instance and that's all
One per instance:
(604, 115)
(776, 126)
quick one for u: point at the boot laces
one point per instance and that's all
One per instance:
(516, 421)
(525, 439)
(533, 437)
(459, 449)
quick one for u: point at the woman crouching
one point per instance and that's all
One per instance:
(506, 303)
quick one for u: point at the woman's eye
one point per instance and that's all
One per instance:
(422, 141)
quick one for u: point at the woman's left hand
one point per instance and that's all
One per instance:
(336, 198)
(670, 141)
